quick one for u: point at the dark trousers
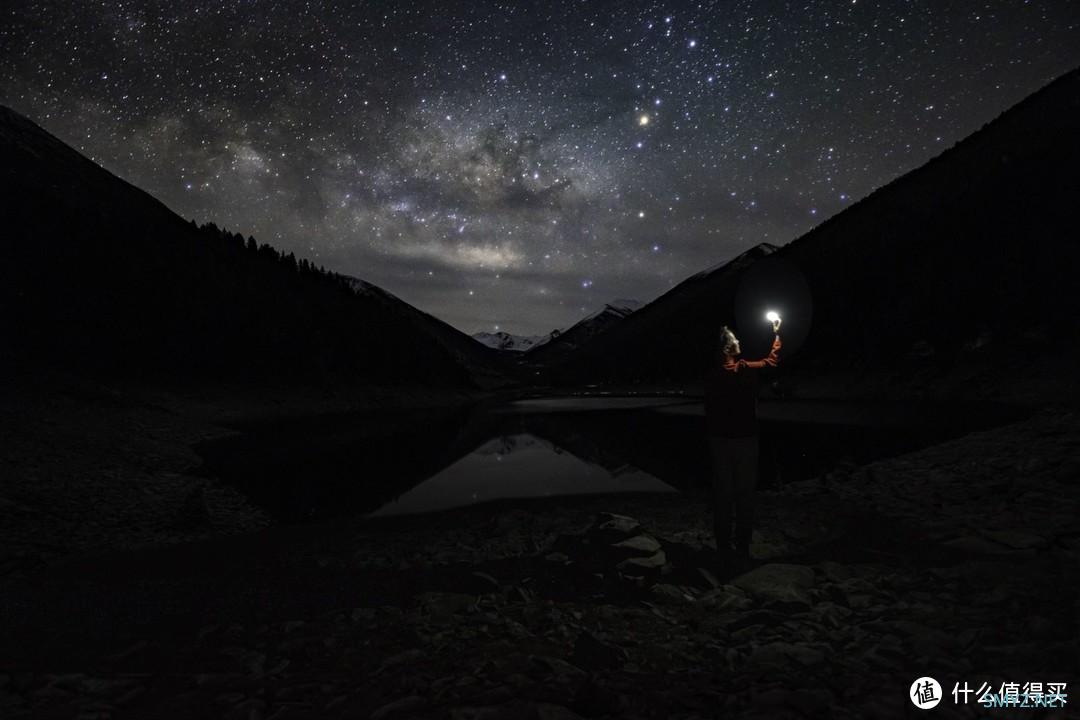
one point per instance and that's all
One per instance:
(735, 465)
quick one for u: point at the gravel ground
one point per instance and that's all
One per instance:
(958, 561)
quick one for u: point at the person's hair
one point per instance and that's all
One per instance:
(727, 342)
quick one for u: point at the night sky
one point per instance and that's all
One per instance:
(516, 165)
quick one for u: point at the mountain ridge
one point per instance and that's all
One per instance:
(952, 257)
(100, 276)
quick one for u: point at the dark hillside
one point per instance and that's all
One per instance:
(98, 276)
(968, 262)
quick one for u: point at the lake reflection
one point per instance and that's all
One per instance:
(517, 466)
(384, 463)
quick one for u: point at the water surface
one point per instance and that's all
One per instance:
(382, 464)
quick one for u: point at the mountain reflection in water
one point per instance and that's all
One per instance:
(517, 466)
(383, 464)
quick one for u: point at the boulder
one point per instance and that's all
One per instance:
(590, 653)
(779, 582)
(652, 562)
(639, 545)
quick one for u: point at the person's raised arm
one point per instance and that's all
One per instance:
(772, 358)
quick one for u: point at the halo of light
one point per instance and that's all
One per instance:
(778, 285)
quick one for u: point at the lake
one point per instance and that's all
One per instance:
(398, 463)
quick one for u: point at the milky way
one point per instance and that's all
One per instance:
(516, 165)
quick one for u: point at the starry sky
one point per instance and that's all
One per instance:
(515, 165)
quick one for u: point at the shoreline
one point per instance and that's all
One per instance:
(93, 467)
(867, 577)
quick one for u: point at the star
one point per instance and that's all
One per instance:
(396, 149)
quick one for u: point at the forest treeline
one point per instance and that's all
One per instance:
(136, 292)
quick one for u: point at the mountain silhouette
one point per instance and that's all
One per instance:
(561, 344)
(509, 342)
(98, 276)
(671, 338)
(969, 261)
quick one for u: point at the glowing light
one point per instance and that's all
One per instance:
(772, 316)
(643, 120)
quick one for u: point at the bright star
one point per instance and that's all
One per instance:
(643, 120)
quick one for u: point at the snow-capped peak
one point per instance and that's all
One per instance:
(507, 341)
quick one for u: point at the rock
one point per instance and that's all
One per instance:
(831, 615)
(289, 712)
(479, 713)
(251, 660)
(835, 572)
(1016, 539)
(652, 562)
(591, 653)
(445, 604)
(495, 696)
(402, 658)
(778, 582)
(671, 594)
(641, 544)
(803, 654)
(975, 544)
(193, 512)
(555, 665)
(409, 704)
(250, 709)
(487, 582)
(722, 599)
(769, 698)
(1041, 628)
(362, 614)
(547, 711)
(512, 519)
(812, 703)
(744, 634)
(709, 577)
(621, 524)
(557, 557)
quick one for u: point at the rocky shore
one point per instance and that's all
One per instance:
(958, 561)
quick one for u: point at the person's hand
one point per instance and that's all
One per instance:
(776, 326)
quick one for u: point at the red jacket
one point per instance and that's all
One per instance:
(731, 393)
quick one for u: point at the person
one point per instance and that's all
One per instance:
(731, 389)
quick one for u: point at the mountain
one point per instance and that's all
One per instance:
(507, 341)
(967, 263)
(971, 258)
(561, 344)
(670, 338)
(486, 366)
(98, 276)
